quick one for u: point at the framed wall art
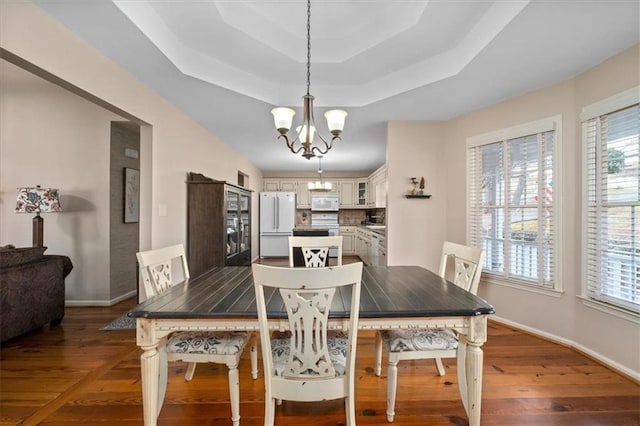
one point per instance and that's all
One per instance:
(131, 195)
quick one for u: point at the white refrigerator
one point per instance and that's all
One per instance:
(277, 220)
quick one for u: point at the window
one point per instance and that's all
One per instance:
(611, 233)
(513, 196)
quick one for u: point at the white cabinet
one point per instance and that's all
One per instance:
(348, 234)
(378, 188)
(363, 245)
(361, 193)
(270, 185)
(288, 185)
(382, 251)
(303, 196)
(347, 190)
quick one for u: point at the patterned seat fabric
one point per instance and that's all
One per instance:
(419, 339)
(206, 342)
(337, 342)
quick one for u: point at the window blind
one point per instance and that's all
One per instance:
(612, 224)
(511, 209)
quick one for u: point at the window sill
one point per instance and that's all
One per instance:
(611, 310)
(492, 279)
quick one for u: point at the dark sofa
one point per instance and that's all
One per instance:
(32, 290)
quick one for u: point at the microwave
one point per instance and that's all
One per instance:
(325, 203)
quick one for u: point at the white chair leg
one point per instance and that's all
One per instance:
(269, 411)
(234, 393)
(191, 368)
(378, 365)
(350, 410)
(254, 357)
(392, 383)
(440, 366)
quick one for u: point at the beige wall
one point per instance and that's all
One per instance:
(562, 317)
(172, 145)
(416, 227)
(52, 138)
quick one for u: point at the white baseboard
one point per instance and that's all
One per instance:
(102, 303)
(634, 375)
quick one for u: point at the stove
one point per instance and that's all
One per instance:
(327, 221)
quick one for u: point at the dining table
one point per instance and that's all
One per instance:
(391, 297)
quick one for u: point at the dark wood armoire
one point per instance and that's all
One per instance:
(218, 224)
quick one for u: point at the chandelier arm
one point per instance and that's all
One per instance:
(290, 145)
(328, 146)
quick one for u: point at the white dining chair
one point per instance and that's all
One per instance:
(220, 347)
(315, 250)
(308, 362)
(460, 264)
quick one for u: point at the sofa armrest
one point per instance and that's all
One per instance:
(32, 295)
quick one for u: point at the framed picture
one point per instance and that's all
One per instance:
(131, 195)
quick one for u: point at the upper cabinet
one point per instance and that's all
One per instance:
(287, 185)
(303, 196)
(347, 190)
(365, 192)
(361, 193)
(377, 188)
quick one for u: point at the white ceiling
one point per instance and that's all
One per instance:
(228, 62)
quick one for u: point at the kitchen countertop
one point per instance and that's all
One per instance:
(378, 229)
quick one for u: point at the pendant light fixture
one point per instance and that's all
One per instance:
(283, 117)
(319, 185)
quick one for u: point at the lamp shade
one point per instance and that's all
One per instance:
(335, 119)
(37, 200)
(283, 117)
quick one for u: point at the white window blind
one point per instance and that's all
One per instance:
(511, 201)
(612, 223)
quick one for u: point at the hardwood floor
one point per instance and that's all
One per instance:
(76, 374)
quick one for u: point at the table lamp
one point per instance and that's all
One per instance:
(38, 200)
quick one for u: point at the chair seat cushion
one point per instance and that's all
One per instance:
(337, 341)
(207, 342)
(405, 340)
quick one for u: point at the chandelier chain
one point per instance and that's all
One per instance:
(308, 45)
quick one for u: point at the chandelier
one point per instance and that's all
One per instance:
(319, 185)
(283, 117)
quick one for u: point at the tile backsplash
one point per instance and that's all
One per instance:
(351, 217)
(345, 216)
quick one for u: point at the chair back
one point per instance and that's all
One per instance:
(307, 294)
(467, 263)
(156, 268)
(315, 250)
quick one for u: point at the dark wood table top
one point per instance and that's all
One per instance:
(387, 292)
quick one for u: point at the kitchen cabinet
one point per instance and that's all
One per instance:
(347, 190)
(218, 224)
(361, 193)
(378, 188)
(382, 251)
(303, 196)
(348, 234)
(286, 185)
(363, 245)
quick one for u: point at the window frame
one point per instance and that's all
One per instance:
(604, 107)
(553, 123)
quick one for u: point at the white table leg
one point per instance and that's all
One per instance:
(150, 368)
(474, 381)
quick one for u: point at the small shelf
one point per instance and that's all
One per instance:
(418, 196)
